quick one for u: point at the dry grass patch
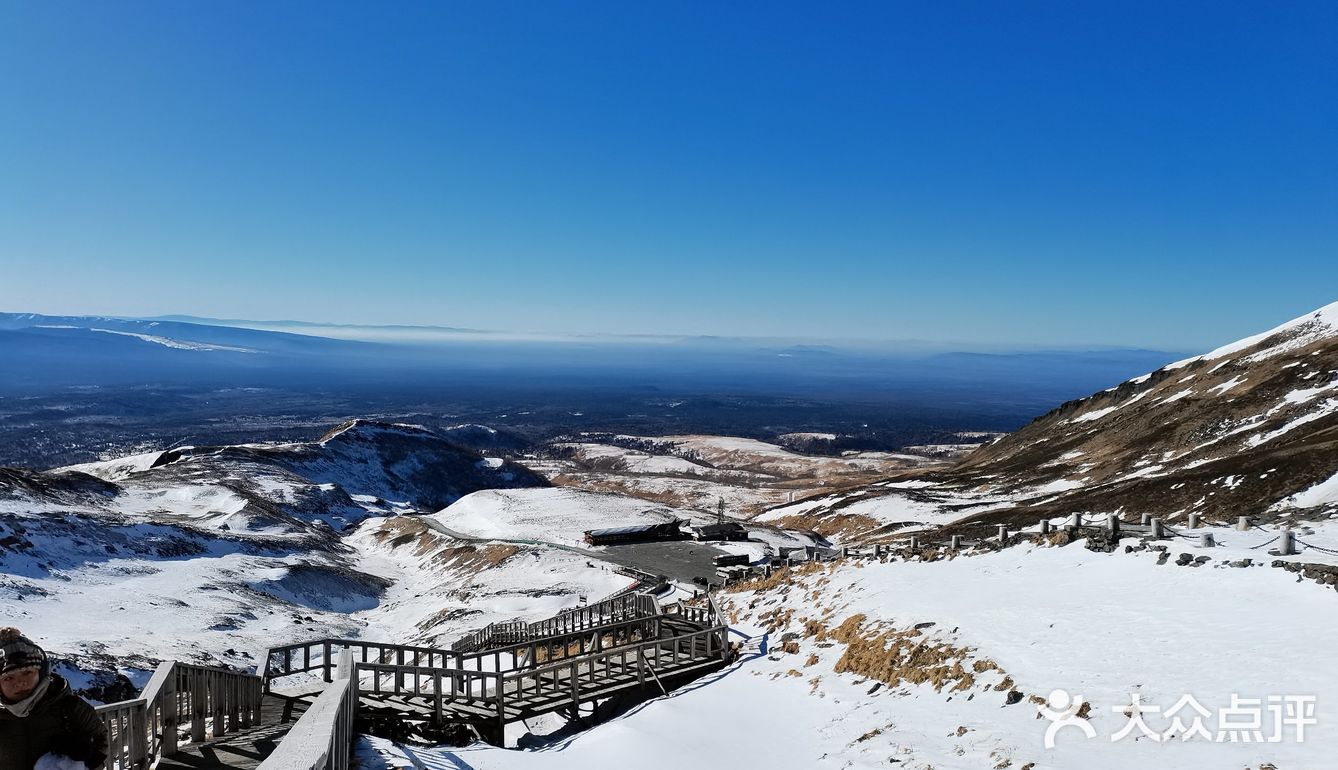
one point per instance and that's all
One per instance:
(473, 557)
(896, 657)
(783, 576)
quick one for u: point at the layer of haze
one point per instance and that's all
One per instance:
(1122, 173)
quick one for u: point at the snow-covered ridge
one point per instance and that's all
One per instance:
(1296, 333)
(1256, 411)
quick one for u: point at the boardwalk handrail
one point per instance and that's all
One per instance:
(143, 730)
(671, 647)
(613, 657)
(586, 637)
(624, 607)
(322, 739)
(321, 654)
(491, 699)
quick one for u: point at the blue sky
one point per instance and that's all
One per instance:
(1051, 173)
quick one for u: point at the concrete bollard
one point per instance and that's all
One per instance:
(1288, 547)
(1045, 526)
(1243, 523)
(1075, 520)
(1113, 523)
(878, 551)
(1144, 519)
(956, 542)
(1193, 521)
(1206, 540)
(1003, 533)
(1156, 528)
(915, 543)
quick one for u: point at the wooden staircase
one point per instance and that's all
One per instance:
(299, 711)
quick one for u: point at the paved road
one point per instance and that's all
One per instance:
(679, 559)
(682, 560)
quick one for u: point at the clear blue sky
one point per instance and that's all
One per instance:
(1062, 173)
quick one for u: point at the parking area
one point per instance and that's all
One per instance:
(679, 559)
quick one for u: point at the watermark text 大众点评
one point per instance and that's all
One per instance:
(1245, 720)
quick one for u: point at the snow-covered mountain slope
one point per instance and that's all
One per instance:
(358, 469)
(697, 472)
(1249, 429)
(553, 515)
(943, 664)
(209, 554)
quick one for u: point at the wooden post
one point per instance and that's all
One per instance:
(1243, 523)
(234, 703)
(198, 704)
(1045, 526)
(1113, 523)
(329, 663)
(1193, 521)
(1075, 521)
(169, 715)
(915, 543)
(217, 701)
(956, 542)
(1157, 528)
(1003, 534)
(1206, 540)
(501, 711)
(139, 750)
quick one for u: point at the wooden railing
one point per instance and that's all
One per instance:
(575, 643)
(443, 686)
(506, 632)
(616, 654)
(624, 607)
(322, 739)
(602, 613)
(204, 699)
(564, 678)
(321, 655)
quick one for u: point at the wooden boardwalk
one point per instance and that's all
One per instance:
(584, 657)
(243, 751)
(300, 710)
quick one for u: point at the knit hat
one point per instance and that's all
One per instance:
(18, 651)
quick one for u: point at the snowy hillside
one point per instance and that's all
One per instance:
(945, 664)
(209, 553)
(697, 472)
(552, 515)
(1249, 429)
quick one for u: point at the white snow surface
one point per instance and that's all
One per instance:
(554, 515)
(1323, 493)
(1099, 626)
(1300, 332)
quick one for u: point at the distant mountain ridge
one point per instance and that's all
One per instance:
(297, 490)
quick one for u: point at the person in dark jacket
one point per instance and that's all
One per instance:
(40, 717)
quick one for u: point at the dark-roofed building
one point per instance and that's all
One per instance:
(666, 530)
(727, 531)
